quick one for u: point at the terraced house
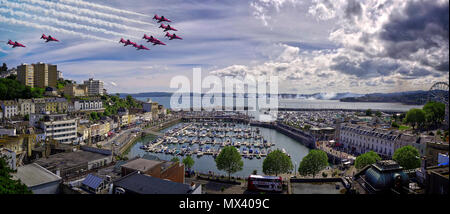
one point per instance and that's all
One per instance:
(10, 108)
(56, 105)
(88, 105)
(26, 107)
(361, 138)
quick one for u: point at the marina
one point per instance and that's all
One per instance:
(204, 140)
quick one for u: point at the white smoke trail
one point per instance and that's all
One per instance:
(52, 12)
(81, 11)
(64, 23)
(50, 28)
(99, 6)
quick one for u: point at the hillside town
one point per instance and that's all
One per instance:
(60, 137)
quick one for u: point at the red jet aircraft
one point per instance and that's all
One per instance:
(15, 44)
(172, 36)
(161, 19)
(153, 40)
(167, 28)
(126, 42)
(140, 47)
(49, 38)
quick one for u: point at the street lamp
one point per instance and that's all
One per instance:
(295, 168)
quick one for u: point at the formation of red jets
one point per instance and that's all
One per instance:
(127, 42)
(152, 39)
(44, 37)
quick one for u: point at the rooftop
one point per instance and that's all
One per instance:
(141, 164)
(34, 175)
(145, 184)
(70, 159)
(92, 181)
(385, 165)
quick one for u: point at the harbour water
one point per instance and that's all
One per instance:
(206, 163)
(316, 104)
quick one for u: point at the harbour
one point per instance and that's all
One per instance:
(204, 140)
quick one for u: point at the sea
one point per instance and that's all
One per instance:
(206, 164)
(315, 104)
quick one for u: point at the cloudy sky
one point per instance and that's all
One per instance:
(312, 45)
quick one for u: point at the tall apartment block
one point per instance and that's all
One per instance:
(37, 75)
(25, 74)
(95, 87)
(45, 75)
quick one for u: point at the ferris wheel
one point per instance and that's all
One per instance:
(439, 92)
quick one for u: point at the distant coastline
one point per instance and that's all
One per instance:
(407, 98)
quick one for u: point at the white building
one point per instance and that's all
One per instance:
(361, 139)
(38, 179)
(26, 107)
(147, 106)
(95, 87)
(10, 108)
(7, 131)
(88, 105)
(60, 128)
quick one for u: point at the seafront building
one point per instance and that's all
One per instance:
(360, 138)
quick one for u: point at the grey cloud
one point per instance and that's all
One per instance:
(371, 83)
(423, 25)
(414, 72)
(353, 9)
(324, 75)
(365, 69)
(354, 84)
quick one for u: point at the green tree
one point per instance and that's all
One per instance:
(12, 89)
(313, 163)
(188, 162)
(366, 159)
(378, 113)
(12, 77)
(306, 127)
(175, 159)
(7, 184)
(408, 157)
(434, 112)
(276, 163)
(415, 117)
(395, 125)
(369, 112)
(229, 160)
(94, 116)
